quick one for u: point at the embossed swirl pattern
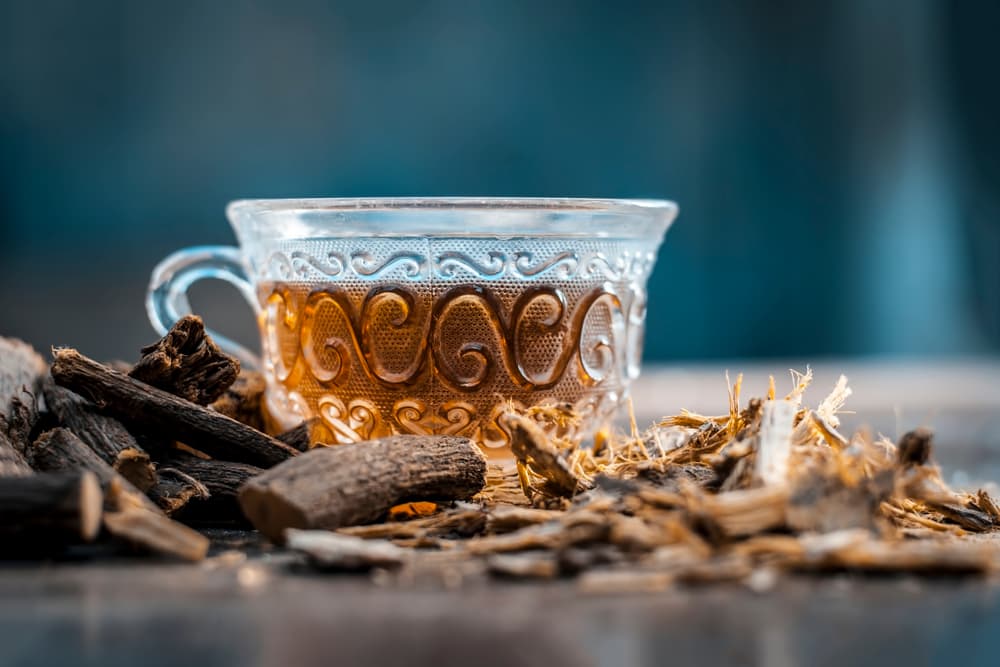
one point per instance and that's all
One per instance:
(328, 358)
(450, 264)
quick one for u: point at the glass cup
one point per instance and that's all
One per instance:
(434, 315)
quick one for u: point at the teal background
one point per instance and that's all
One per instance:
(836, 163)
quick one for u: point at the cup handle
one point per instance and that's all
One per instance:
(167, 300)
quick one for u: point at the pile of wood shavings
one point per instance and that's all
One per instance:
(772, 486)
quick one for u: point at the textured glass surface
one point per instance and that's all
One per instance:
(495, 304)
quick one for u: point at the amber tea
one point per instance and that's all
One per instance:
(439, 357)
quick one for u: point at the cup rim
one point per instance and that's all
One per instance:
(529, 216)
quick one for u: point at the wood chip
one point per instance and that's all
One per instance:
(530, 565)
(531, 447)
(914, 447)
(505, 518)
(244, 400)
(332, 551)
(859, 550)
(175, 489)
(775, 442)
(457, 523)
(621, 582)
(186, 362)
(747, 512)
(156, 533)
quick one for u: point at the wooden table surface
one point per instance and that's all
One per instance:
(262, 611)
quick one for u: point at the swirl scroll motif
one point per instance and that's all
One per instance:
(493, 264)
(357, 325)
(281, 318)
(354, 421)
(329, 357)
(451, 418)
(563, 265)
(393, 359)
(358, 419)
(299, 264)
(448, 264)
(365, 264)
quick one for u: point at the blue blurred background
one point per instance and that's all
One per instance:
(836, 163)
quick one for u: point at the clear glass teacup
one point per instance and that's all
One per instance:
(434, 315)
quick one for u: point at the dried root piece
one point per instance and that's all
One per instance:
(109, 439)
(624, 581)
(503, 486)
(21, 421)
(914, 447)
(535, 452)
(221, 479)
(302, 436)
(49, 508)
(244, 400)
(175, 489)
(747, 512)
(824, 502)
(530, 565)
(152, 410)
(60, 450)
(21, 370)
(157, 533)
(456, 523)
(983, 502)
(12, 461)
(334, 487)
(923, 499)
(856, 549)
(504, 519)
(332, 551)
(969, 518)
(549, 536)
(187, 363)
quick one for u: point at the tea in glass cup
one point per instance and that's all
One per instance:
(434, 316)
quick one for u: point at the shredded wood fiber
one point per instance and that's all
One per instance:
(771, 486)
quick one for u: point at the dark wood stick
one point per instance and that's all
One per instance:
(129, 515)
(532, 448)
(302, 436)
(22, 420)
(109, 439)
(344, 485)
(60, 450)
(187, 363)
(221, 478)
(21, 373)
(175, 489)
(915, 446)
(148, 408)
(12, 461)
(218, 480)
(34, 507)
(244, 400)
